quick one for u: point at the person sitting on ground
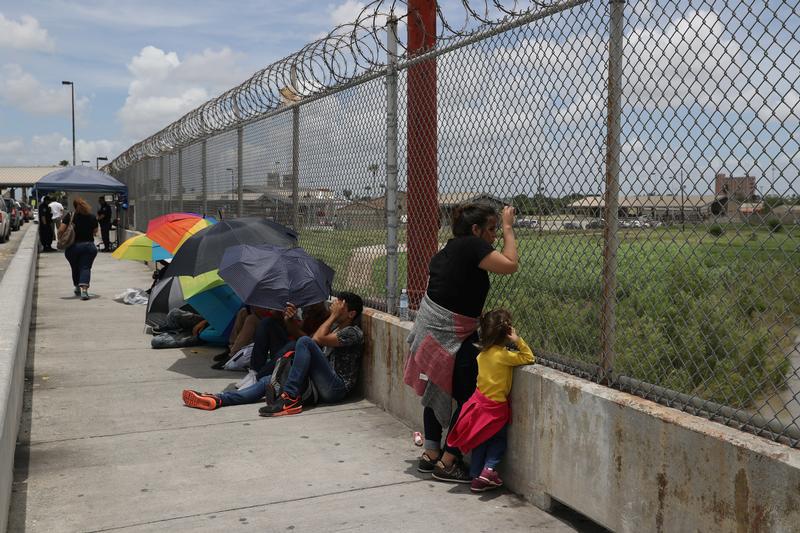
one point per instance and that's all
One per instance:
(243, 332)
(483, 421)
(181, 329)
(277, 335)
(334, 372)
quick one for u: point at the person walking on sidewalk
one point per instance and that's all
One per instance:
(45, 225)
(442, 365)
(104, 218)
(483, 421)
(82, 252)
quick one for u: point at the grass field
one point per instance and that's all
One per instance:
(699, 314)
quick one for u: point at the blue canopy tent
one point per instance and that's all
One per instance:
(80, 179)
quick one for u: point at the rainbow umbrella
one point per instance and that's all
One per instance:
(141, 248)
(172, 229)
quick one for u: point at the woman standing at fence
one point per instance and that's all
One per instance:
(442, 363)
(82, 252)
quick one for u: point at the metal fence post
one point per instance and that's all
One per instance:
(391, 166)
(239, 171)
(180, 179)
(161, 188)
(610, 233)
(204, 176)
(295, 155)
(422, 199)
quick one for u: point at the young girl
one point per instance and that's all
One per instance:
(481, 426)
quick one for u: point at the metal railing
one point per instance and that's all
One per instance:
(650, 149)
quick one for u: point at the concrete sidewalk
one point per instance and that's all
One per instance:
(106, 443)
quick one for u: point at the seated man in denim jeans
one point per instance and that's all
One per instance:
(334, 372)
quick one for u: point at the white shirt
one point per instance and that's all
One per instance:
(57, 209)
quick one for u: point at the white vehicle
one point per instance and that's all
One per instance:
(5, 222)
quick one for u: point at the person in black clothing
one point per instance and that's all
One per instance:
(459, 282)
(104, 218)
(82, 252)
(46, 225)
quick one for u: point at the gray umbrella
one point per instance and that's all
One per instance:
(270, 276)
(166, 295)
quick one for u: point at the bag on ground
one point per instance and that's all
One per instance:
(240, 359)
(279, 377)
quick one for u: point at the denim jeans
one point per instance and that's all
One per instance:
(81, 256)
(252, 394)
(310, 362)
(489, 453)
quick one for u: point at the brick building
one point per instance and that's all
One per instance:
(741, 188)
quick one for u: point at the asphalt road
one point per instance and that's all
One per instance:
(8, 249)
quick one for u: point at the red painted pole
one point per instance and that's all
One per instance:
(422, 200)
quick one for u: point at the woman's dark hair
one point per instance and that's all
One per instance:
(495, 327)
(467, 215)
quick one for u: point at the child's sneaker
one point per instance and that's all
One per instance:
(479, 485)
(491, 478)
(207, 402)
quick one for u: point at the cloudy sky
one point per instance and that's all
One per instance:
(136, 65)
(706, 88)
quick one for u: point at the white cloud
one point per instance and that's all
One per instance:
(12, 146)
(164, 88)
(22, 90)
(25, 34)
(345, 13)
(50, 148)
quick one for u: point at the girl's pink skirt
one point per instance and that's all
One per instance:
(479, 420)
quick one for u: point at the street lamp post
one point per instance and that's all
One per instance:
(97, 161)
(72, 88)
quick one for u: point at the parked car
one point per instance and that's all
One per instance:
(526, 223)
(572, 224)
(597, 223)
(5, 223)
(14, 212)
(27, 212)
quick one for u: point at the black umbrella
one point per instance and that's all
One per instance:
(203, 251)
(270, 276)
(166, 295)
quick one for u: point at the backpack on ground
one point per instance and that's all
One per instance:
(280, 375)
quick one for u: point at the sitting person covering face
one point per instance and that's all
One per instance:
(331, 359)
(343, 345)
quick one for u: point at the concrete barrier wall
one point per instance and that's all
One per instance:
(627, 463)
(16, 300)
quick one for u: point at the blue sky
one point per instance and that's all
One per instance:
(136, 65)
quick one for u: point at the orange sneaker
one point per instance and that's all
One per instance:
(208, 402)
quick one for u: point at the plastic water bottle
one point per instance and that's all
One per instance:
(403, 305)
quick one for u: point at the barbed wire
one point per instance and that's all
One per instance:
(347, 53)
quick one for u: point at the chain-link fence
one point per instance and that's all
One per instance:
(650, 149)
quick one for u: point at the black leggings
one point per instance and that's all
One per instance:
(465, 377)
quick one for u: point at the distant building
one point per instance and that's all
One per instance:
(741, 188)
(369, 214)
(657, 207)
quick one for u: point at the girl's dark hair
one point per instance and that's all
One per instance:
(495, 327)
(467, 215)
